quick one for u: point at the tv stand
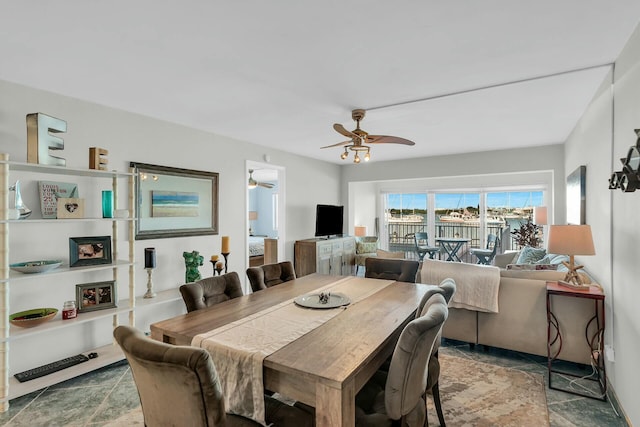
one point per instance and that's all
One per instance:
(325, 255)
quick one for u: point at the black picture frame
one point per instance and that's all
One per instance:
(96, 296)
(86, 251)
(577, 196)
(199, 188)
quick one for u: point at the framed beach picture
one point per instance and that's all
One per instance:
(174, 202)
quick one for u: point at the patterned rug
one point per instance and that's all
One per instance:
(479, 394)
(473, 394)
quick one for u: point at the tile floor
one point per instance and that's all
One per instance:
(99, 397)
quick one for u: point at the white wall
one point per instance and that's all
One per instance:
(603, 136)
(132, 137)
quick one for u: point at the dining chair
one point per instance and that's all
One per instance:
(265, 276)
(366, 246)
(179, 386)
(421, 241)
(447, 289)
(211, 290)
(399, 393)
(486, 256)
(402, 270)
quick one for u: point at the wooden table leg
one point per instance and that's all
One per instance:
(335, 407)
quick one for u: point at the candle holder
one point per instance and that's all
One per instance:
(219, 267)
(226, 264)
(150, 293)
(213, 264)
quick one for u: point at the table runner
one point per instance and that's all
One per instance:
(239, 348)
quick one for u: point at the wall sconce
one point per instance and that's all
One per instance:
(628, 179)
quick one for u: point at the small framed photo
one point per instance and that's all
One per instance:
(70, 208)
(85, 251)
(96, 296)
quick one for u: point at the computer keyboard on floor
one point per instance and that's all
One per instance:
(50, 368)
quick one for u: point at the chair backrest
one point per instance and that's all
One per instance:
(496, 246)
(407, 378)
(211, 290)
(491, 241)
(421, 238)
(446, 288)
(177, 385)
(265, 276)
(402, 270)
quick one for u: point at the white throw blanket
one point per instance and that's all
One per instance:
(476, 285)
(238, 349)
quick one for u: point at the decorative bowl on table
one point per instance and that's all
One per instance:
(31, 267)
(33, 317)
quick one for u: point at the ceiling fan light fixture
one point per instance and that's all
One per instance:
(356, 158)
(367, 156)
(344, 155)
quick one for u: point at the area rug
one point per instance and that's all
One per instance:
(480, 394)
(472, 393)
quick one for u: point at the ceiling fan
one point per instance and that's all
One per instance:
(253, 183)
(360, 139)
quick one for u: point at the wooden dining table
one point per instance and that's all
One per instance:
(326, 367)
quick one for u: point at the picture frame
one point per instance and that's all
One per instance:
(577, 196)
(96, 296)
(173, 202)
(70, 208)
(85, 251)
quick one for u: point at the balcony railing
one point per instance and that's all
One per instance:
(401, 236)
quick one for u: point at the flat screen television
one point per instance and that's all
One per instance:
(329, 220)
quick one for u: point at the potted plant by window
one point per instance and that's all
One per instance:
(527, 234)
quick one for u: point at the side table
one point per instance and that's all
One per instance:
(594, 335)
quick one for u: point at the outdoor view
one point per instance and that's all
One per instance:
(458, 215)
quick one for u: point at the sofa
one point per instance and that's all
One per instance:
(521, 322)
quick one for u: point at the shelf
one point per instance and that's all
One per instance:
(63, 269)
(56, 323)
(162, 297)
(106, 355)
(63, 170)
(60, 221)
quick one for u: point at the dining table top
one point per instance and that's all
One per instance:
(327, 366)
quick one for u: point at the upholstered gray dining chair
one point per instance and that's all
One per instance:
(265, 276)
(211, 290)
(447, 289)
(402, 270)
(398, 394)
(179, 386)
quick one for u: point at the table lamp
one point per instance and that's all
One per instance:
(571, 240)
(540, 215)
(253, 216)
(360, 230)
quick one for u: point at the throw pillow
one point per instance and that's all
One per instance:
(366, 247)
(529, 255)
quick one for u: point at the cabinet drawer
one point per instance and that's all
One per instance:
(324, 249)
(349, 245)
(337, 246)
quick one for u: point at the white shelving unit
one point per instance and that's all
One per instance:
(9, 387)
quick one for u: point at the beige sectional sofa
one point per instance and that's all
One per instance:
(521, 323)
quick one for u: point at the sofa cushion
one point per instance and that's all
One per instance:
(529, 255)
(543, 275)
(366, 247)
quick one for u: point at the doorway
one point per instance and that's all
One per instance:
(265, 213)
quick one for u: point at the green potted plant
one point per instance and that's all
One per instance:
(527, 234)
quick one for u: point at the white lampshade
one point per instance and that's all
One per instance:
(570, 240)
(540, 215)
(360, 230)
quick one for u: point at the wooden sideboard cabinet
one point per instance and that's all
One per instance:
(325, 256)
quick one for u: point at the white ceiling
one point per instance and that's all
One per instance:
(280, 73)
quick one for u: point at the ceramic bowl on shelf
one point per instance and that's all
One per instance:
(31, 267)
(33, 317)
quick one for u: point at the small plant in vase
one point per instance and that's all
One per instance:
(527, 234)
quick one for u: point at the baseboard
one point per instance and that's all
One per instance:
(613, 400)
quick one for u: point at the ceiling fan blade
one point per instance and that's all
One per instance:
(340, 129)
(265, 184)
(339, 143)
(385, 139)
